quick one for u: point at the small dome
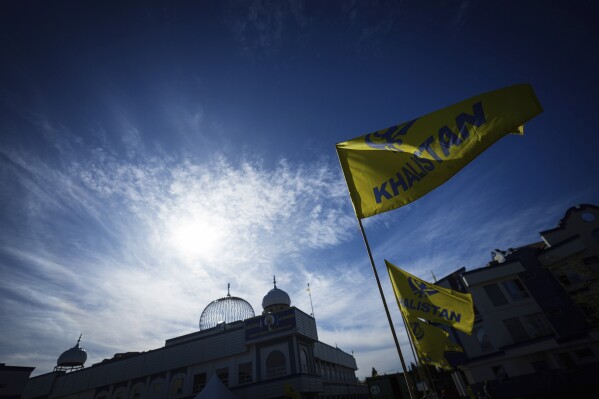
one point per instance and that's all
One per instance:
(76, 356)
(227, 309)
(276, 299)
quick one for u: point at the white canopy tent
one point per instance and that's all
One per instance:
(215, 389)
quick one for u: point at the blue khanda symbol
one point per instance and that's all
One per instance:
(389, 139)
(420, 288)
(417, 330)
(270, 320)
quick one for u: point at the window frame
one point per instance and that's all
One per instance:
(516, 329)
(244, 376)
(223, 374)
(279, 369)
(198, 387)
(495, 294)
(515, 289)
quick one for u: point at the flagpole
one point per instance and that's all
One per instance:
(311, 306)
(419, 363)
(378, 282)
(416, 358)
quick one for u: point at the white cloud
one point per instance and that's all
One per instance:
(131, 252)
(131, 249)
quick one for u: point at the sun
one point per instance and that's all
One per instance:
(200, 236)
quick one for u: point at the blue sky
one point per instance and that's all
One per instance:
(152, 152)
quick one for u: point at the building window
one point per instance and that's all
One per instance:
(495, 294)
(516, 329)
(275, 364)
(536, 325)
(223, 375)
(199, 382)
(500, 373)
(177, 386)
(304, 361)
(515, 289)
(119, 393)
(156, 390)
(483, 339)
(566, 360)
(584, 353)
(136, 391)
(244, 373)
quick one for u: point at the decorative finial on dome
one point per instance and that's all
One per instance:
(274, 281)
(228, 289)
(79, 340)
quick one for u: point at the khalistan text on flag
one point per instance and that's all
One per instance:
(392, 167)
(431, 302)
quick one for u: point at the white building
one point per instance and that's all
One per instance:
(274, 355)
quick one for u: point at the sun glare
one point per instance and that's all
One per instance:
(197, 237)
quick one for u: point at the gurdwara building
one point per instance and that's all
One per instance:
(274, 355)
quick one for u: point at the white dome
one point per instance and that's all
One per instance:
(75, 356)
(276, 297)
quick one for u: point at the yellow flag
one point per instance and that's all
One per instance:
(431, 302)
(392, 167)
(430, 342)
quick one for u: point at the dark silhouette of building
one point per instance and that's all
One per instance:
(274, 355)
(13, 380)
(537, 314)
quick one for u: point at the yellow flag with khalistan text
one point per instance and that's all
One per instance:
(431, 302)
(430, 342)
(392, 167)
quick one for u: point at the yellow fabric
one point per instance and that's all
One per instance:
(431, 302)
(392, 167)
(430, 342)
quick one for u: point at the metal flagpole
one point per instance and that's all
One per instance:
(419, 364)
(378, 282)
(311, 306)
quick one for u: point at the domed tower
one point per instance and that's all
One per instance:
(71, 359)
(225, 310)
(275, 300)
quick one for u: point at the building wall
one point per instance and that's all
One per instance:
(531, 326)
(184, 364)
(13, 380)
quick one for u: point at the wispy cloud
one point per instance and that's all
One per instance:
(104, 235)
(97, 235)
(371, 23)
(262, 26)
